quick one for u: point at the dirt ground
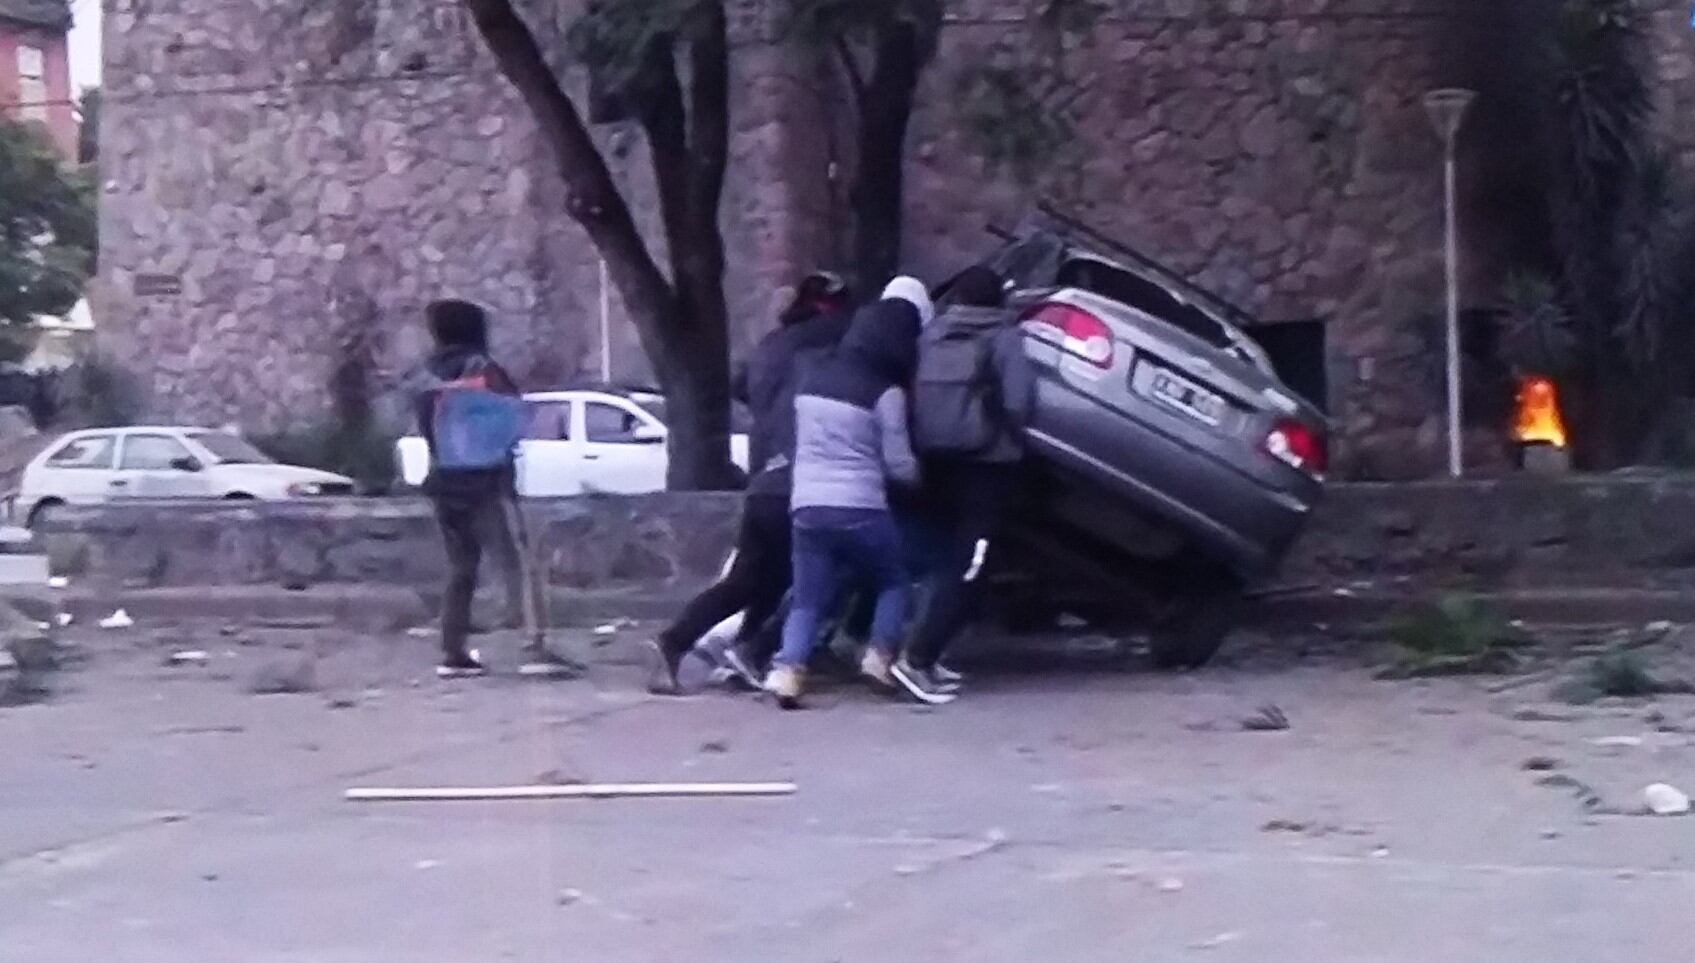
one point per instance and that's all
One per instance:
(156, 807)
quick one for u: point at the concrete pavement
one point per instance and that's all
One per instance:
(1075, 813)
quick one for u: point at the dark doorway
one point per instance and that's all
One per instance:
(1297, 350)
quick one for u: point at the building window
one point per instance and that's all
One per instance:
(32, 82)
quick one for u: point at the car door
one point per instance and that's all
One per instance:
(80, 472)
(548, 462)
(623, 447)
(158, 465)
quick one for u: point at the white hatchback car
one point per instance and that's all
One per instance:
(101, 465)
(583, 442)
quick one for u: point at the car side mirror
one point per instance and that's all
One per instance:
(185, 464)
(648, 434)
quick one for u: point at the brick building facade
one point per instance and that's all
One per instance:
(35, 69)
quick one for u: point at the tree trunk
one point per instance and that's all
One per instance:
(878, 195)
(681, 322)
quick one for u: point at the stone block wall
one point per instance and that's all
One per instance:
(661, 545)
(286, 178)
(1276, 152)
(1608, 534)
(289, 180)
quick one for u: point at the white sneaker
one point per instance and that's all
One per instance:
(786, 683)
(874, 665)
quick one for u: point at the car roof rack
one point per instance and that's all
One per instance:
(1068, 222)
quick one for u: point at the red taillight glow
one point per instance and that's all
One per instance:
(1299, 446)
(1077, 332)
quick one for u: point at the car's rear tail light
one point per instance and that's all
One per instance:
(1077, 332)
(1299, 446)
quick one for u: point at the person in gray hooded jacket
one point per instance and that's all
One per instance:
(851, 444)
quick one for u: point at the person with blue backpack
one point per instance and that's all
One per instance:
(472, 417)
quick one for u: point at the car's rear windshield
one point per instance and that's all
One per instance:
(231, 449)
(1125, 287)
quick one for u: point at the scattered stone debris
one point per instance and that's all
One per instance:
(286, 677)
(1213, 943)
(1284, 826)
(188, 657)
(1268, 718)
(1171, 885)
(342, 702)
(35, 652)
(1536, 714)
(1617, 742)
(1664, 800)
(570, 897)
(118, 620)
(558, 777)
(1585, 793)
(1541, 764)
(715, 746)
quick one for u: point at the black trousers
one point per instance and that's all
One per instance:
(971, 500)
(756, 583)
(472, 524)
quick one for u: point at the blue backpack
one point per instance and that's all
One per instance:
(476, 428)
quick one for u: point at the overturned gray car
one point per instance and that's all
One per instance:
(1173, 466)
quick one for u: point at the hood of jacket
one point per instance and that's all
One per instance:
(913, 292)
(880, 351)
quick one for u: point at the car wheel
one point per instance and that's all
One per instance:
(43, 512)
(1191, 629)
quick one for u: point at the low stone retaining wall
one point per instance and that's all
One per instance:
(663, 544)
(1613, 532)
(1608, 533)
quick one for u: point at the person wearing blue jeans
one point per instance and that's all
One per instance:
(829, 545)
(851, 444)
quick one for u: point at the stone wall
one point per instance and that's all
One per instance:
(290, 180)
(660, 545)
(1277, 152)
(1519, 534)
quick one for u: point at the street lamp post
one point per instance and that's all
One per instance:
(1447, 109)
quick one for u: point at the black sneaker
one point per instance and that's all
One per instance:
(662, 676)
(921, 685)
(947, 678)
(466, 666)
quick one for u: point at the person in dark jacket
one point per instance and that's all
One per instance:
(759, 574)
(477, 509)
(851, 445)
(969, 494)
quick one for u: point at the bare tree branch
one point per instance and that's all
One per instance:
(594, 200)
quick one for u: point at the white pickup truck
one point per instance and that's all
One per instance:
(583, 442)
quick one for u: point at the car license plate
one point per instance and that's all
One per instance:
(1179, 392)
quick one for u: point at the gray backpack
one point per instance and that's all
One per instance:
(953, 395)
